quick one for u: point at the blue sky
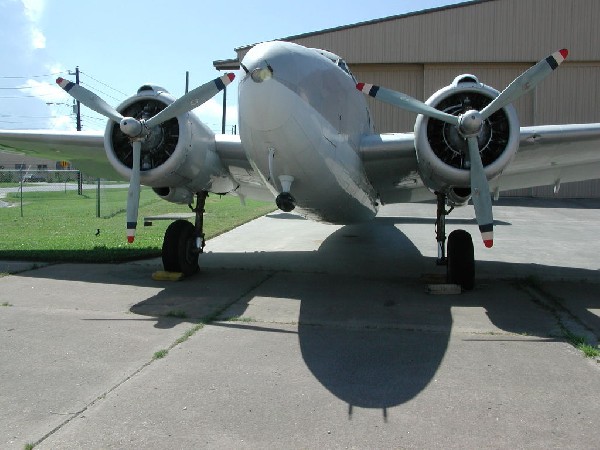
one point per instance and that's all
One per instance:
(120, 45)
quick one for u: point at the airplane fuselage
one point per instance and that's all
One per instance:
(301, 116)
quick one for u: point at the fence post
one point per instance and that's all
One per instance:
(98, 199)
(79, 183)
(21, 176)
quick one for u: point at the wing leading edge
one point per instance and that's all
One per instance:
(553, 154)
(85, 150)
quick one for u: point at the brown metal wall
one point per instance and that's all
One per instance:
(485, 31)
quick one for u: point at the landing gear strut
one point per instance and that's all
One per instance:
(460, 259)
(440, 228)
(184, 242)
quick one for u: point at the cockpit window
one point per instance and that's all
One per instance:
(337, 61)
(342, 65)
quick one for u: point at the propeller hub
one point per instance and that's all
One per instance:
(470, 123)
(131, 126)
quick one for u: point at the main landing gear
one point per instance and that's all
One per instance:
(184, 242)
(460, 259)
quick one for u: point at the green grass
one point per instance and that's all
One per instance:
(240, 319)
(160, 354)
(177, 313)
(188, 334)
(580, 343)
(62, 226)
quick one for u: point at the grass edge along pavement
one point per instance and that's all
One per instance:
(63, 227)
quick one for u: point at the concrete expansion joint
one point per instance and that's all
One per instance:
(102, 396)
(79, 413)
(570, 324)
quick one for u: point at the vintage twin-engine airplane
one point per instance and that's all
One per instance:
(307, 140)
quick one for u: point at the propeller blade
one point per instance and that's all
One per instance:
(133, 194)
(480, 194)
(526, 82)
(405, 102)
(191, 100)
(89, 99)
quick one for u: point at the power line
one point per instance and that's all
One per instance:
(17, 88)
(98, 90)
(102, 83)
(29, 96)
(98, 119)
(32, 76)
(29, 117)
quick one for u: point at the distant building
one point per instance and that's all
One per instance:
(15, 161)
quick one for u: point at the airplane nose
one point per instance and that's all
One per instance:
(265, 105)
(267, 94)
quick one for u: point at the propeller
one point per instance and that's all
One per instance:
(133, 193)
(405, 102)
(89, 99)
(469, 125)
(139, 130)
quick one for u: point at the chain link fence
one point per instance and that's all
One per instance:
(29, 189)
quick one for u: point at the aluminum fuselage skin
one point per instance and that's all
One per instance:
(305, 120)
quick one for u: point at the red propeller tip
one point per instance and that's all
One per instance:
(489, 243)
(564, 53)
(231, 76)
(360, 86)
(59, 80)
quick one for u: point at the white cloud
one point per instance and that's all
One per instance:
(46, 91)
(38, 40)
(59, 103)
(211, 114)
(34, 10)
(62, 122)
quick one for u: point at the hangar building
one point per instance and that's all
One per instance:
(496, 40)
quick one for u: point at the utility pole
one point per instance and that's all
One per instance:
(224, 111)
(77, 104)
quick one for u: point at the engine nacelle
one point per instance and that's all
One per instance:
(178, 156)
(182, 196)
(442, 153)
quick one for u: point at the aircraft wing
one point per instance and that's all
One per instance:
(547, 155)
(233, 157)
(391, 165)
(553, 154)
(84, 149)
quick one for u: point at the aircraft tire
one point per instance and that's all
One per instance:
(461, 260)
(178, 248)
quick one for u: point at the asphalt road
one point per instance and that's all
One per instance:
(317, 336)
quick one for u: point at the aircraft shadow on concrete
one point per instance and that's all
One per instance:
(366, 328)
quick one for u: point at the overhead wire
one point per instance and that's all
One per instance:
(24, 91)
(103, 84)
(33, 76)
(98, 90)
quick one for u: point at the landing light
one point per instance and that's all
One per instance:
(259, 75)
